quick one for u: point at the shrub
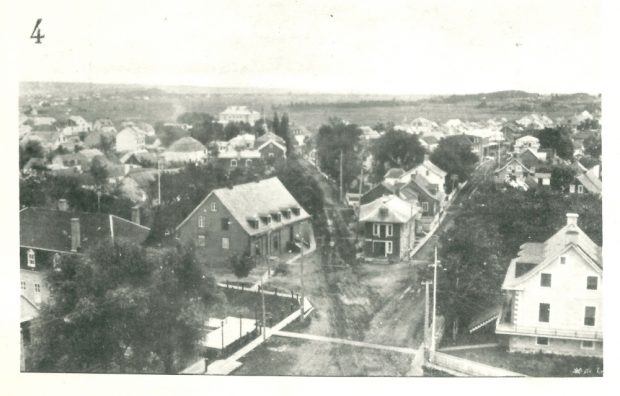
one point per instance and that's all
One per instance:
(242, 264)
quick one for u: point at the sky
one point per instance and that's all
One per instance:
(383, 47)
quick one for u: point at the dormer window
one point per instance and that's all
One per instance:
(275, 216)
(266, 219)
(31, 258)
(253, 223)
(286, 213)
(295, 211)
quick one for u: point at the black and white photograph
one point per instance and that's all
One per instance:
(308, 188)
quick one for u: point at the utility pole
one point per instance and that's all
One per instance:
(303, 294)
(359, 201)
(434, 301)
(262, 293)
(159, 166)
(340, 175)
(426, 311)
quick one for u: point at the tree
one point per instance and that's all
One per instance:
(558, 139)
(275, 124)
(331, 140)
(395, 149)
(592, 145)
(455, 157)
(204, 127)
(301, 185)
(99, 172)
(284, 133)
(106, 143)
(242, 264)
(562, 176)
(122, 308)
(32, 149)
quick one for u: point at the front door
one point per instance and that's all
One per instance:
(378, 249)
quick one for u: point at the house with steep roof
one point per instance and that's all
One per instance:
(186, 149)
(526, 142)
(428, 196)
(388, 227)
(590, 182)
(513, 173)
(258, 218)
(130, 138)
(428, 170)
(553, 295)
(271, 147)
(429, 142)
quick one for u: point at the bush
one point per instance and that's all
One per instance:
(242, 264)
(281, 269)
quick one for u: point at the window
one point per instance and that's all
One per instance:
(225, 243)
(571, 188)
(590, 315)
(544, 311)
(213, 208)
(389, 230)
(376, 229)
(545, 280)
(23, 285)
(233, 163)
(587, 344)
(388, 247)
(518, 168)
(248, 163)
(509, 168)
(202, 241)
(424, 207)
(31, 258)
(542, 341)
(563, 260)
(37, 293)
(201, 221)
(592, 283)
(225, 223)
(271, 155)
(580, 189)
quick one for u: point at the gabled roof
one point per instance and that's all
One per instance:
(420, 183)
(394, 173)
(388, 209)
(186, 144)
(542, 254)
(270, 137)
(250, 200)
(591, 180)
(51, 229)
(430, 139)
(511, 162)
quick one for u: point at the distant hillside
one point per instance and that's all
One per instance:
(491, 96)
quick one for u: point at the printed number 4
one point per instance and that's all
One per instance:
(37, 30)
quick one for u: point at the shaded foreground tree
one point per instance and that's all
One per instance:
(395, 149)
(122, 308)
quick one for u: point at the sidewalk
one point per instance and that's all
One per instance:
(312, 337)
(230, 364)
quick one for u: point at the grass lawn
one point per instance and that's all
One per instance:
(535, 365)
(249, 305)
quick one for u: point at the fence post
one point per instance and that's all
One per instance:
(276, 291)
(242, 286)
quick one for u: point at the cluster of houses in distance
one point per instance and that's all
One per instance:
(553, 289)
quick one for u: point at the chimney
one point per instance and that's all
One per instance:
(135, 214)
(63, 205)
(76, 238)
(571, 219)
